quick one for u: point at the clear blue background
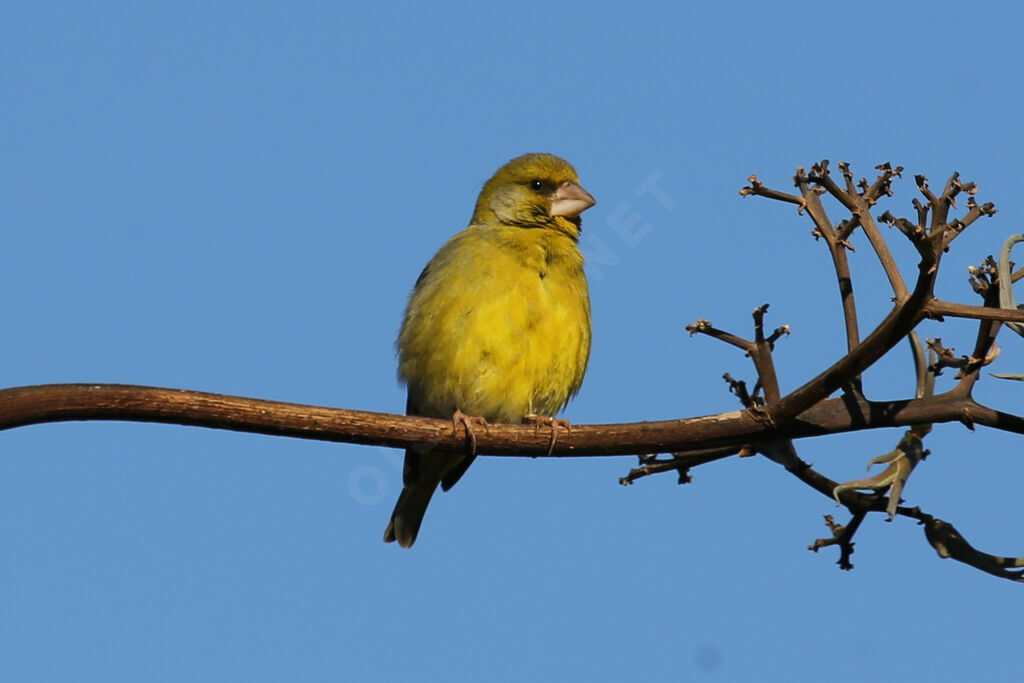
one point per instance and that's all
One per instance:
(237, 197)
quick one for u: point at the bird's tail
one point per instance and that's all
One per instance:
(408, 514)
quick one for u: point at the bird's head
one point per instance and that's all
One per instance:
(534, 191)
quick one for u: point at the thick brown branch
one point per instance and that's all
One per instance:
(975, 413)
(22, 406)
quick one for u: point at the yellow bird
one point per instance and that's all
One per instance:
(498, 325)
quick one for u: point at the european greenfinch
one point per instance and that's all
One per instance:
(498, 324)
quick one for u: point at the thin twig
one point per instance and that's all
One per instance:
(859, 207)
(841, 536)
(837, 247)
(937, 308)
(679, 462)
(705, 327)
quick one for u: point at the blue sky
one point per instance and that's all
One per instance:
(237, 197)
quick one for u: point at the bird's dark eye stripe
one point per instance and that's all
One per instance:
(538, 185)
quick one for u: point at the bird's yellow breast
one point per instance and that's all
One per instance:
(498, 325)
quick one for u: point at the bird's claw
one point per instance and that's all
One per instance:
(467, 421)
(554, 423)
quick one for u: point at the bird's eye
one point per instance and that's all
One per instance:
(536, 184)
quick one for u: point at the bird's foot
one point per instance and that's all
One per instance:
(552, 422)
(467, 421)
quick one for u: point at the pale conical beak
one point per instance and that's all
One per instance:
(570, 200)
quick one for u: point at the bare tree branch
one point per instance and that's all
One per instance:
(770, 422)
(841, 536)
(46, 403)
